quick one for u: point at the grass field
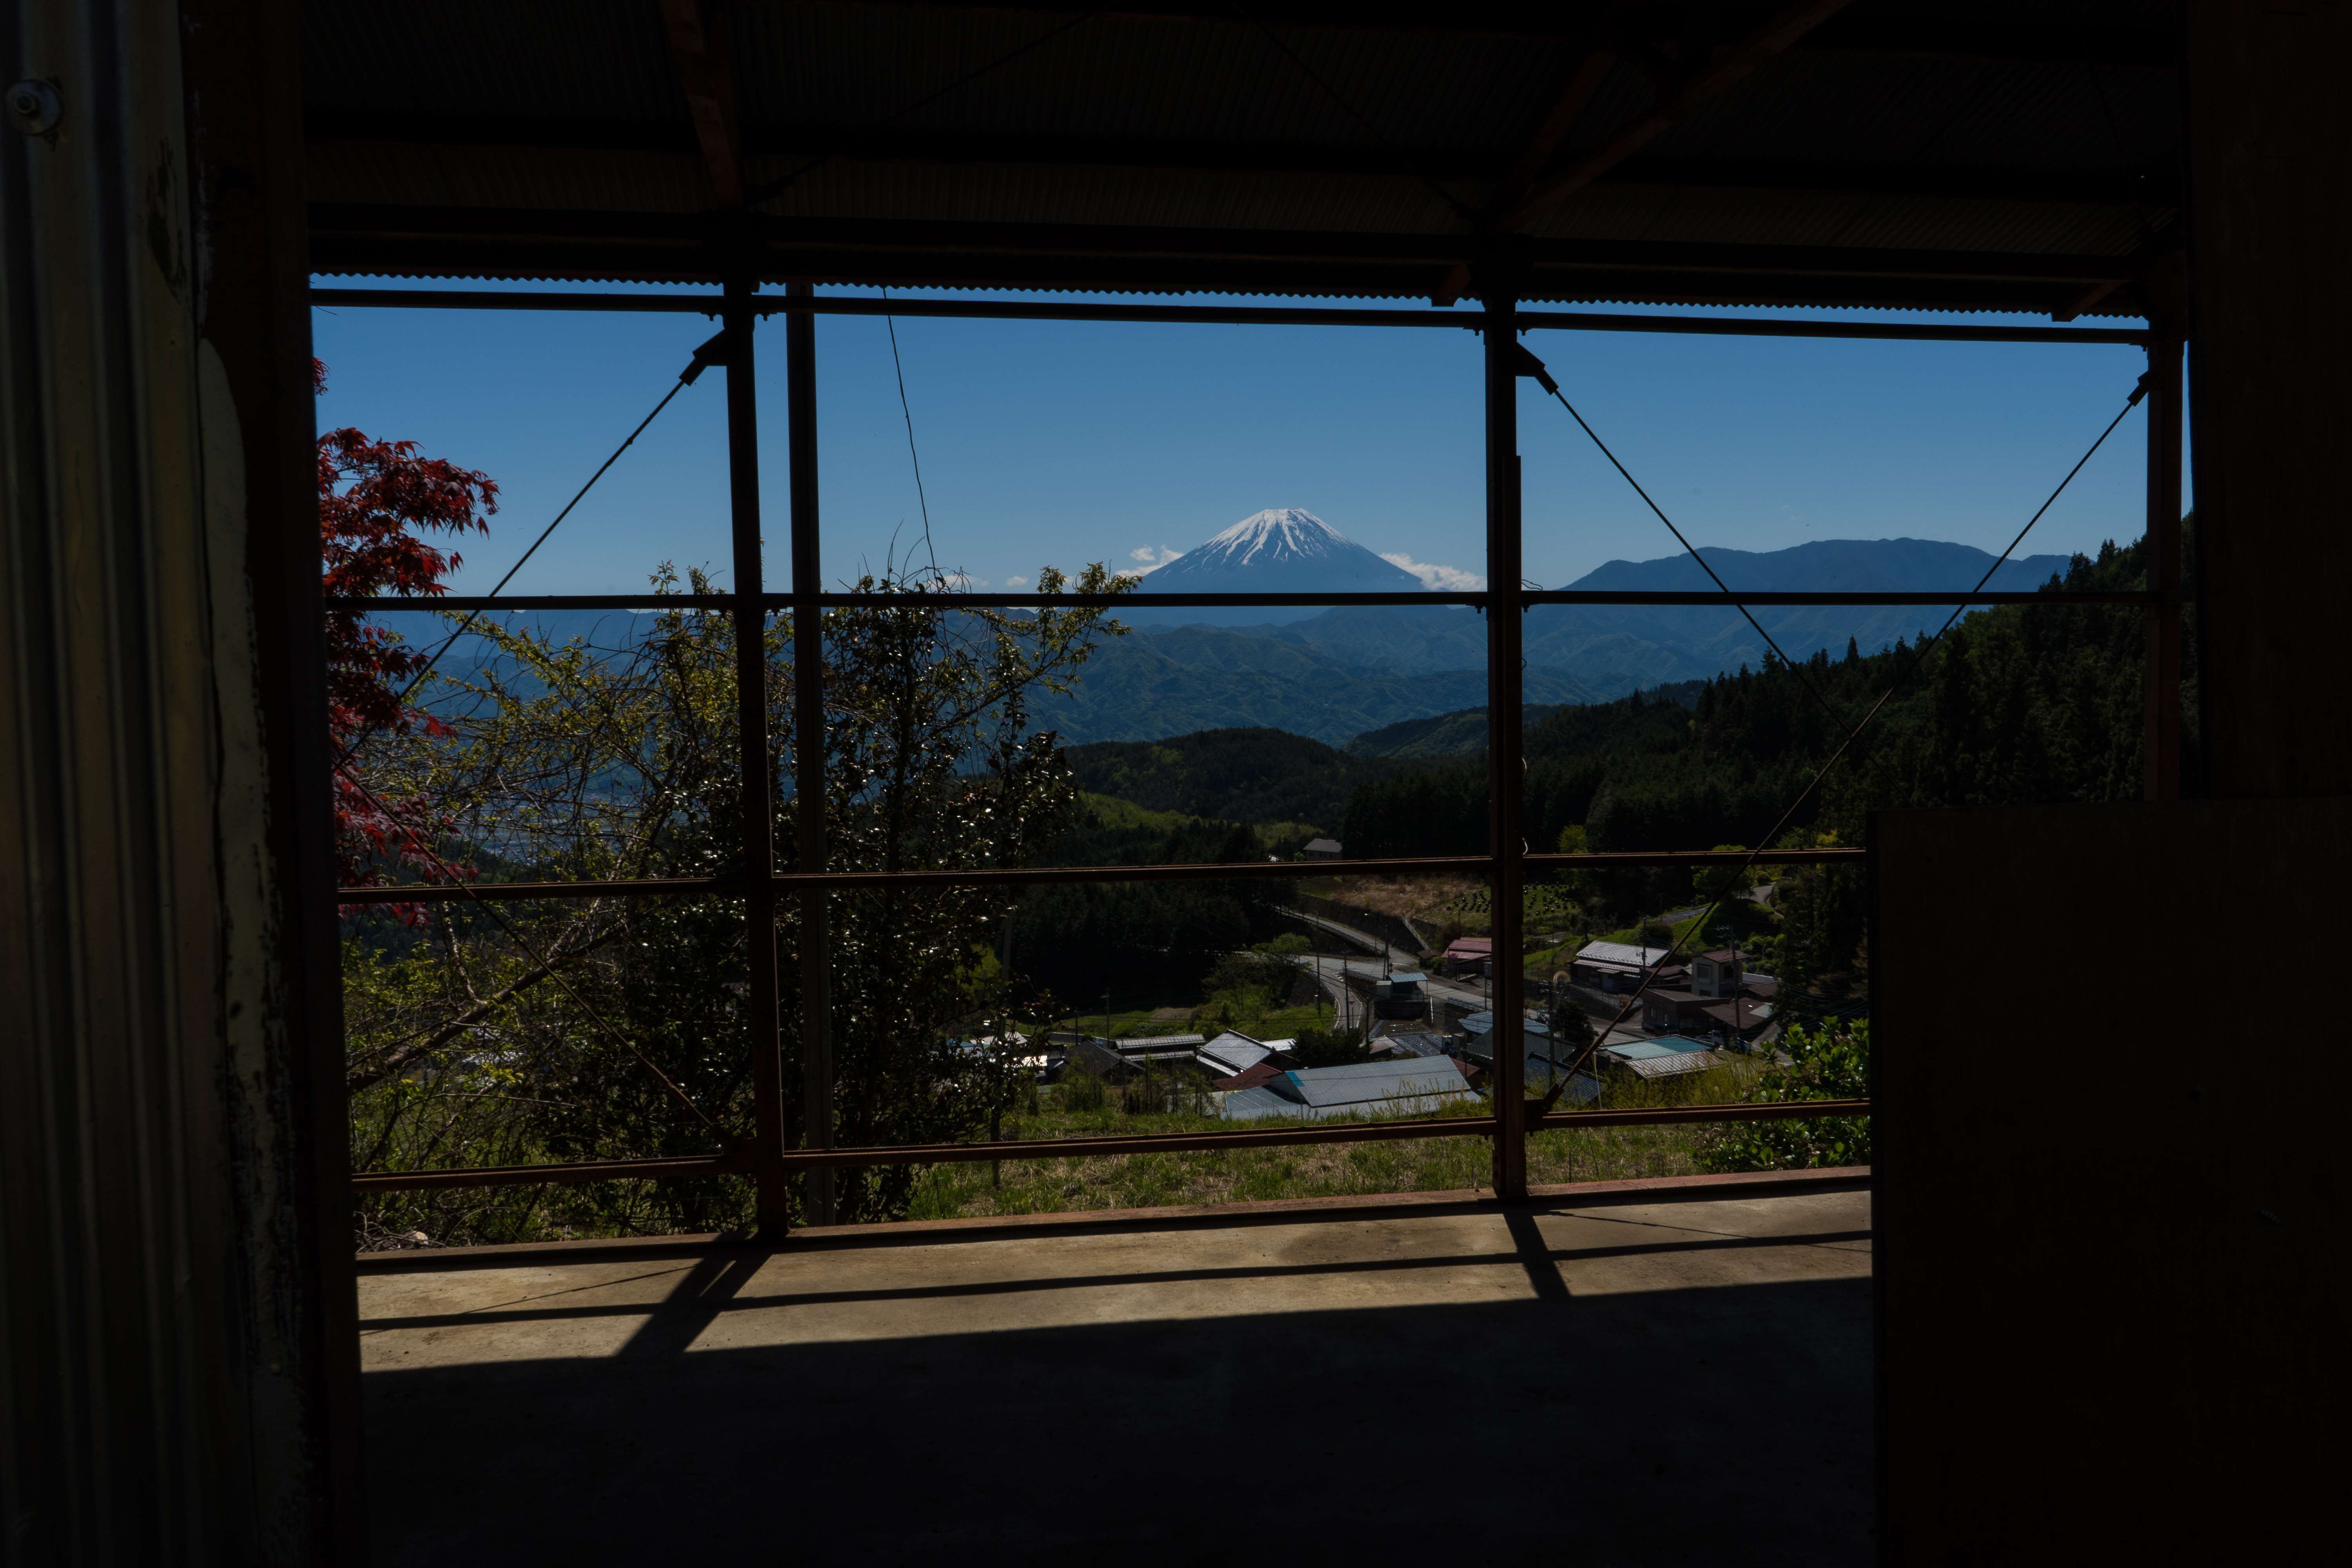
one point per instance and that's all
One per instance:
(1301, 1171)
(1226, 1010)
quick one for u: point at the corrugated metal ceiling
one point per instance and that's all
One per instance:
(1003, 120)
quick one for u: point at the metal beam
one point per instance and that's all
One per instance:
(1159, 601)
(1214, 315)
(1504, 698)
(756, 801)
(808, 759)
(1096, 1148)
(2022, 38)
(1033, 875)
(671, 263)
(701, 54)
(1711, 81)
(780, 240)
(330, 133)
(679, 247)
(2160, 740)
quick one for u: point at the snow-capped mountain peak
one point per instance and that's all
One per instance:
(1275, 533)
(1280, 550)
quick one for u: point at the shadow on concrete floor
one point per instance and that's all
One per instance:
(1726, 1424)
(715, 1284)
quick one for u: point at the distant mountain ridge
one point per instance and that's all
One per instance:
(1375, 666)
(1341, 674)
(1617, 648)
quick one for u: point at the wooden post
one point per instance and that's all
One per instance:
(758, 798)
(808, 754)
(2161, 745)
(1505, 783)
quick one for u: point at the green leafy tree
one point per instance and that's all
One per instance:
(1571, 1025)
(1329, 1048)
(1831, 1062)
(599, 1029)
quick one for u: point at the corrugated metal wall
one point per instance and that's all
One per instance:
(165, 1389)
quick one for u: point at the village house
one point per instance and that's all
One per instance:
(1621, 966)
(1233, 1053)
(1468, 955)
(1673, 1056)
(1717, 998)
(1400, 996)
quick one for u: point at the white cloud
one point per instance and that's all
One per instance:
(1438, 578)
(1152, 559)
(1016, 582)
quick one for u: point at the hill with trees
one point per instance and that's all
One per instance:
(1231, 774)
(2018, 705)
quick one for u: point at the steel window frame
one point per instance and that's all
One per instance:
(772, 1158)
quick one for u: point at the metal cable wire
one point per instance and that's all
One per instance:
(703, 356)
(1918, 657)
(1552, 386)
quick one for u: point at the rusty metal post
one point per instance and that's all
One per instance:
(2161, 743)
(762, 1023)
(808, 753)
(1505, 783)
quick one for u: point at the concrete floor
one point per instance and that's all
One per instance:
(1683, 1381)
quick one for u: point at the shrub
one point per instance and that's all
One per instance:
(1329, 1048)
(1824, 1063)
(1081, 1090)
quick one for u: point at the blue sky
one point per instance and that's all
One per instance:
(1068, 442)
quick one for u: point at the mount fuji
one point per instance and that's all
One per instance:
(1281, 550)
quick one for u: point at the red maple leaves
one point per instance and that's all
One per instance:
(377, 500)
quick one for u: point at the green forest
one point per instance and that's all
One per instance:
(2019, 704)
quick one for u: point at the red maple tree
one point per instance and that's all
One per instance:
(377, 502)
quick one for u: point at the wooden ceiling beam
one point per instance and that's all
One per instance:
(2013, 34)
(1726, 70)
(334, 134)
(699, 52)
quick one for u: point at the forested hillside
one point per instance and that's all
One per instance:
(1234, 775)
(2018, 705)
(1076, 941)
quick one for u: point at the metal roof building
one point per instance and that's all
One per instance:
(1668, 1057)
(1233, 1052)
(1626, 954)
(1414, 1088)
